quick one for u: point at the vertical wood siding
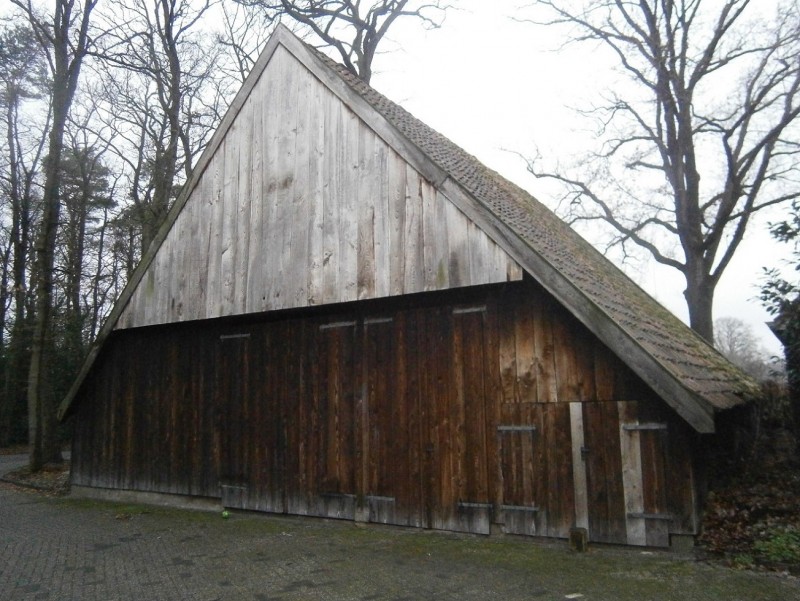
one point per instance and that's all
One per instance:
(303, 204)
(455, 410)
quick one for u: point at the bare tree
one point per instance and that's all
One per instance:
(64, 36)
(161, 105)
(352, 27)
(245, 30)
(703, 138)
(735, 339)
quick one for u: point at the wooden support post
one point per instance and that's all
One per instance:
(630, 450)
(579, 468)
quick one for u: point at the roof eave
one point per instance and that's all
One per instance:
(696, 410)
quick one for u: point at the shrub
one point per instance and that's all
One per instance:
(781, 545)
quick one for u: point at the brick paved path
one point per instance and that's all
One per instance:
(77, 550)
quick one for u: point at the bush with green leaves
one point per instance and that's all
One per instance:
(781, 545)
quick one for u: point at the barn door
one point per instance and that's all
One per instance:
(457, 486)
(643, 453)
(273, 381)
(623, 460)
(535, 469)
(333, 449)
(391, 457)
(519, 444)
(232, 391)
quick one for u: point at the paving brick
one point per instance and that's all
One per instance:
(63, 549)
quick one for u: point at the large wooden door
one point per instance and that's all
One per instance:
(425, 419)
(457, 419)
(273, 377)
(252, 380)
(536, 469)
(392, 485)
(233, 402)
(600, 458)
(520, 448)
(624, 461)
(593, 465)
(643, 446)
(333, 451)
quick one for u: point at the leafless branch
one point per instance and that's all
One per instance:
(742, 141)
(365, 24)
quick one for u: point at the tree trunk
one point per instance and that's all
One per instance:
(68, 45)
(5, 349)
(77, 205)
(42, 422)
(699, 295)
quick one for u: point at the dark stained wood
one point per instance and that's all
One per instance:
(294, 416)
(604, 478)
(566, 368)
(519, 504)
(678, 444)
(654, 486)
(606, 366)
(233, 375)
(561, 488)
(595, 472)
(443, 490)
(583, 344)
(331, 460)
(529, 358)
(392, 490)
(507, 353)
(270, 421)
(470, 454)
(444, 411)
(208, 427)
(493, 396)
(544, 311)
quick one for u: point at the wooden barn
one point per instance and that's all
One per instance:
(346, 315)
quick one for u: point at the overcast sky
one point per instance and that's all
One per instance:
(498, 87)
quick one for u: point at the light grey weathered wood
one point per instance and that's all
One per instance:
(630, 450)
(579, 466)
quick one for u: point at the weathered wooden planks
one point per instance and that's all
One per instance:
(632, 481)
(579, 466)
(406, 413)
(303, 204)
(392, 471)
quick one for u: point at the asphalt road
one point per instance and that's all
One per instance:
(65, 549)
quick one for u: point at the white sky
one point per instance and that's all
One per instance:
(493, 85)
